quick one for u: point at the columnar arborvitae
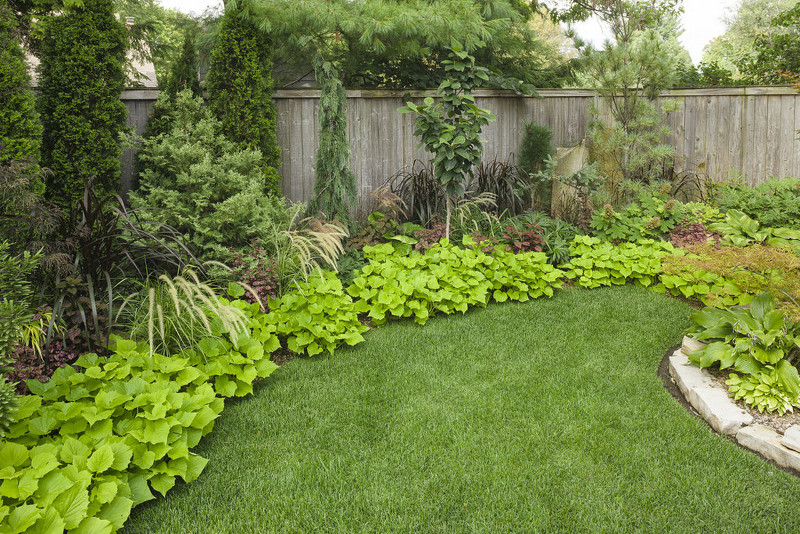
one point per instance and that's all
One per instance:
(239, 85)
(335, 186)
(20, 131)
(81, 78)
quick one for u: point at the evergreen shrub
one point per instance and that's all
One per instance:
(239, 85)
(81, 77)
(206, 187)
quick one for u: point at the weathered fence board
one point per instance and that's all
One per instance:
(718, 132)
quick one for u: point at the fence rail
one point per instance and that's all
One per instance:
(718, 132)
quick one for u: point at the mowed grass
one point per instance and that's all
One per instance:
(546, 416)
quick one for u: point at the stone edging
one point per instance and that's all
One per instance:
(712, 402)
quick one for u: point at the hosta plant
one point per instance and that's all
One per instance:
(740, 230)
(758, 342)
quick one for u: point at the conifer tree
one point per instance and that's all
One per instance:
(20, 132)
(183, 76)
(184, 73)
(335, 185)
(81, 78)
(239, 85)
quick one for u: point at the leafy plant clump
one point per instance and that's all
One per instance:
(775, 203)
(728, 276)
(318, 316)
(740, 230)
(761, 344)
(595, 263)
(447, 279)
(200, 183)
(650, 216)
(100, 437)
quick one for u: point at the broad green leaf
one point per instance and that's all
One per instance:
(94, 525)
(51, 486)
(72, 505)
(105, 492)
(49, 522)
(13, 454)
(761, 305)
(22, 517)
(117, 511)
(101, 459)
(140, 491)
(789, 377)
(162, 483)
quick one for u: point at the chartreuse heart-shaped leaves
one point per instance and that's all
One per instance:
(446, 279)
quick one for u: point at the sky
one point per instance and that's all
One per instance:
(702, 21)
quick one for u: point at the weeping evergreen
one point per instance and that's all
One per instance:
(335, 186)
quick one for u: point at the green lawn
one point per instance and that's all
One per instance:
(546, 416)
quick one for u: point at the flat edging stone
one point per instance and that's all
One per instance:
(712, 402)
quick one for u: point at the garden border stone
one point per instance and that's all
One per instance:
(710, 399)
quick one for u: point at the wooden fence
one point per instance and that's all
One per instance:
(719, 132)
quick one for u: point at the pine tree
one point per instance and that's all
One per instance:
(82, 75)
(239, 86)
(20, 131)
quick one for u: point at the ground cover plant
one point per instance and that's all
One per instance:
(490, 431)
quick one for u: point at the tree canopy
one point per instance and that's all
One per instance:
(751, 22)
(400, 43)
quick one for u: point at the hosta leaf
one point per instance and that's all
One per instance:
(789, 377)
(761, 305)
